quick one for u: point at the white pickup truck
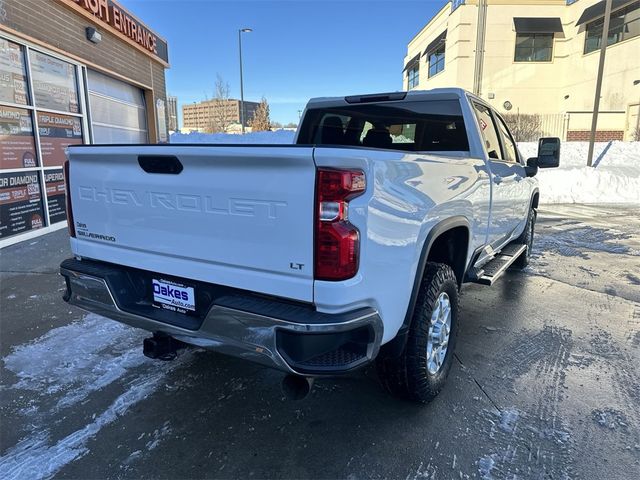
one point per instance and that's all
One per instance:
(315, 258)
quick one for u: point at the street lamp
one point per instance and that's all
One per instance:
(604, 42)
(240, 32)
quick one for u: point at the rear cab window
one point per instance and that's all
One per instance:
(420, 126)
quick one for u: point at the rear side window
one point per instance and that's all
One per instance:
(429, 126)
(489, 131)
(510, 149)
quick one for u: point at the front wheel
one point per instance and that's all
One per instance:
(527, 238)
(420, 371)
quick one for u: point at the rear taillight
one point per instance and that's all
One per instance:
(337, 241)
(67, 189)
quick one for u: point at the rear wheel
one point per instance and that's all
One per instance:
(526, 238)
(420, 371)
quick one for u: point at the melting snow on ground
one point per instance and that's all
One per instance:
(51, 367)
(615, 177)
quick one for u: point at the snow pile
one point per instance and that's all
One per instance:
(277, 136)
(615, 178)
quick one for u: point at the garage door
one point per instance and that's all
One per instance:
(118, 113)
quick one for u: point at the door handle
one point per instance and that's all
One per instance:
(167, 164)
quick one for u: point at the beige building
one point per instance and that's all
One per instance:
(215, 115)
(536, 57)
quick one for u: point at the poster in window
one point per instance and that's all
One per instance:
(20, 203)
(54, 83)
(54, 184)
(56, 133)
(13, 76)
(17, 145)
(162, 121)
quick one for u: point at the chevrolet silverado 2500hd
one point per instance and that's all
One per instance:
(315, 258)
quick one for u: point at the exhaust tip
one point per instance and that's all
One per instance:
(296, 387)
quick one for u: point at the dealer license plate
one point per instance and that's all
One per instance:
(173, 296)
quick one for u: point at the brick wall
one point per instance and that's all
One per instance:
(51, 22)
(601, 135)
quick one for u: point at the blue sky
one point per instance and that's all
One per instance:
(299, 48)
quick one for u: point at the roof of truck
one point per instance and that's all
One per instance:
(414, 95)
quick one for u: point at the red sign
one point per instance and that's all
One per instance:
(56, 133)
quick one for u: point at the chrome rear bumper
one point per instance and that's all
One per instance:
(329, 344)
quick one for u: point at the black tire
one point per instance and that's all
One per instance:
(407, 376)
(527, 238)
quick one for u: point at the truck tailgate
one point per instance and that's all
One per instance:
(240, 216)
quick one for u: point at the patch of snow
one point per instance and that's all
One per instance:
(11, 297)
(157, 435)
(610, 418)
(274, 137)
(77, 359)
(485, 465)
(34, 458)
(508, 420)
(131, 458)
(615, 179)
(576, 241)
(70, 363)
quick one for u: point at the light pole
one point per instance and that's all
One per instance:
(240, 32)
(596, 101)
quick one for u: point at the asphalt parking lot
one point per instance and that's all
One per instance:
(546, 383)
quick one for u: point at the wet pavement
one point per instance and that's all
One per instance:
(546, 383)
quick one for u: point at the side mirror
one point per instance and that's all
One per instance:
(548, 152)
(532, 167)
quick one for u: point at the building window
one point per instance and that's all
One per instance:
(38, 120)
(436, 60)
(624, 24)
(414, 76)
(534, 47)
(55, 84)
(456, 3)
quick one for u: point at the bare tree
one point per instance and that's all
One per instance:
(291, 125)
(220, 109)
(523, 126)
(260, 120)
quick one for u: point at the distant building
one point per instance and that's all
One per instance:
(210, 115)
(536, 57)
(172, 112)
